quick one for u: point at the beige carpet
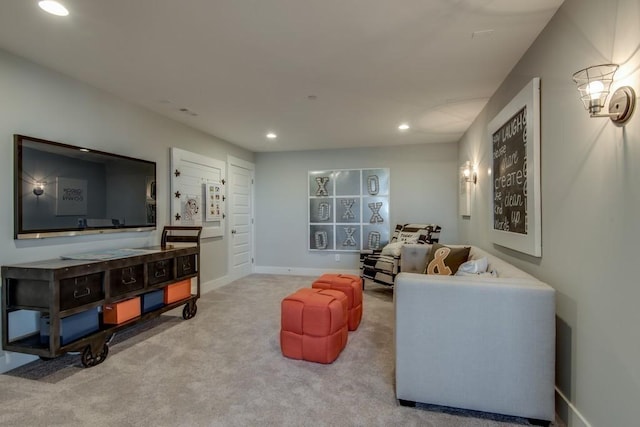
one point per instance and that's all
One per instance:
(224, 368)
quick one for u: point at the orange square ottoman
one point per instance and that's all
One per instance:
(352, 288)
(313, 325)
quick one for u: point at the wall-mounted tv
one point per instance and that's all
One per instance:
(64, 190)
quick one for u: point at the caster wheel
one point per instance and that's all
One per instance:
(88, 359)
(189, 311)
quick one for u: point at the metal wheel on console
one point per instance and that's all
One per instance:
(88, 359)
(189, 311)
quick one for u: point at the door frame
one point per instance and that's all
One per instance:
(235, 161)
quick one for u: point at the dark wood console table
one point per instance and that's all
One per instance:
(59, 288)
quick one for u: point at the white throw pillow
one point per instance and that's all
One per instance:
(474, 266)
(393, 249)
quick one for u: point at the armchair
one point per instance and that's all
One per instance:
(383, 265)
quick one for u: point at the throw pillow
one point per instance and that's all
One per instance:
(444, 260)
(430, 234)
(408, 237)
(473, 266)
(392, 249)
(417, 233)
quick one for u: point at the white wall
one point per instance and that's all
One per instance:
(423, 189)
(590, 208)
(44, 104)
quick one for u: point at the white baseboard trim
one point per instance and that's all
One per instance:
(294, 271)
(214, 284)
(575, 418)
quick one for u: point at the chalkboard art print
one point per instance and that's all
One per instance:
(514, 135)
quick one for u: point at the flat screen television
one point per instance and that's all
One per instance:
(64, 190)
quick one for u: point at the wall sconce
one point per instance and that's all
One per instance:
(38, 189)
(594, 83)
(470, 174)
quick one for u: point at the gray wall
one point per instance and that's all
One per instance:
(590, 207)
(44, 104)
(423, 189)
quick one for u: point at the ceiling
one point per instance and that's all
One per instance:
(320, 74)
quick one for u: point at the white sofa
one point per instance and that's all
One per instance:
(479, 343)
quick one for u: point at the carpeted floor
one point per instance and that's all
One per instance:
(224, 368)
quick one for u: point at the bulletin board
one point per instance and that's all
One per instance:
(198, 192)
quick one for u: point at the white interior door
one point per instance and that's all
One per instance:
(240, 217)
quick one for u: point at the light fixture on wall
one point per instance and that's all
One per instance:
(38, 188)
(470, 173)
(594, 83)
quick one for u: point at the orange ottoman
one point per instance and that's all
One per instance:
(313, 325)
(352, 288)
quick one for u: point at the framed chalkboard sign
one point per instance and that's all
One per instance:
(514, 135)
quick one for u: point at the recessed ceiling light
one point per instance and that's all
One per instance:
(272, 135)
(404, 126)
(53, 7)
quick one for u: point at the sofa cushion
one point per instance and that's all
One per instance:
(444, 260)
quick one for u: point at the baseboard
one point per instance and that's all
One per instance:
(293, 271)
(214, 284)
(574, 417)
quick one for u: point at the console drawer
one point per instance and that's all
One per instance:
(186, 265)
(160, 271)
(80, 290)
(126, 279)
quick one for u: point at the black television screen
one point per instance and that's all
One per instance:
(64, 190)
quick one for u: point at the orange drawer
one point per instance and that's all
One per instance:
(177, 291)
(121, 311)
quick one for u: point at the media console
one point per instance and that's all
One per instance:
(58, 289)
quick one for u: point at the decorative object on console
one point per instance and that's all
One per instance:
(382, 266)
(515, 198)
(594, 83)
(444, 260)
(348, 209)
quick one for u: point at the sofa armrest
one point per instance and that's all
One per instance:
(480, 343)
